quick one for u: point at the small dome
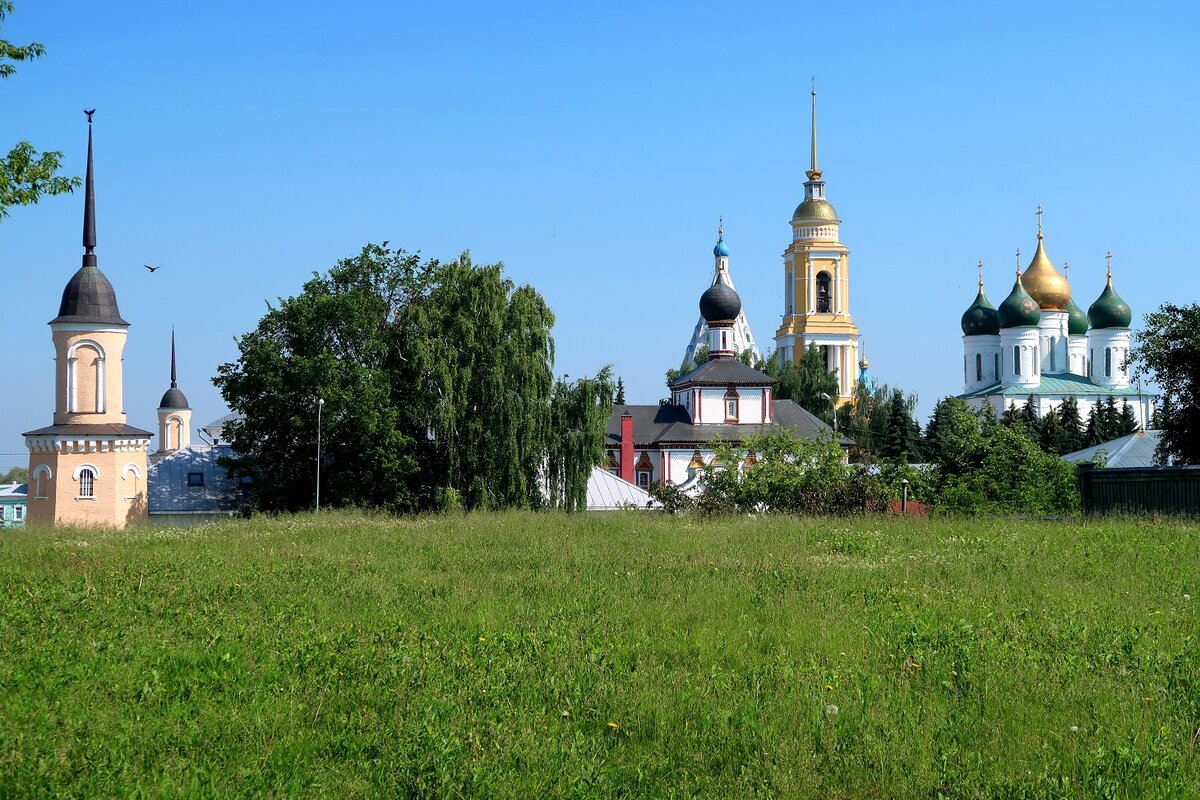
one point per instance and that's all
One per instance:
(89, 297)
(816, 210)
(1019, 309)
(720, 303)
(721, 250)
(1077, 321)
(1044, 283)
(173, 398)
(981, 319)
(1109, 310)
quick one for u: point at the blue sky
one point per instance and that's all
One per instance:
(592, 148)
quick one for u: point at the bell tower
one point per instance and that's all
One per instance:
(816, 283)
(174, 415)
(89, 467)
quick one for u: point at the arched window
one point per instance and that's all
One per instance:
(978, 366)
(1053, 360)
(1108, 362)
(87, 480)
(823, 293)
(41, 476)
(996, 373)
(1016, 359)
(644, 471)
(85, 377)
(731, 405)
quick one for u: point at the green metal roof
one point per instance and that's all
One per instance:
(1065, 384)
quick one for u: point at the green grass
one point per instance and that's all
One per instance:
(531, 656)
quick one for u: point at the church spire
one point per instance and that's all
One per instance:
(89, 204)
(814, 172)
(173, 383)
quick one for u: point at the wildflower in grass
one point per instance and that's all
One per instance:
(828, 688)
(616, 726)
(831, 710)
(1187, 597)
(483, 638)
(1074, 729)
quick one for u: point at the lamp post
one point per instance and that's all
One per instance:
(320, 405)
(825, 396)
(904, 497)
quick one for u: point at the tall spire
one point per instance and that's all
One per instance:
(173, 385)
(89, 204)
(1108, 263)
(814, 172)
(981, 276)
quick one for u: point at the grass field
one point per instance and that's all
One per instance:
(528, 656)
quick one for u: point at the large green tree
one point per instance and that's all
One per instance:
(25, 174)
(1167, 350)
(438, 387)
(808, 383)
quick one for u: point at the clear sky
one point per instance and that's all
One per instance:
(592, 147)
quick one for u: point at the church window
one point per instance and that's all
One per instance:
(643, 479)
(1091, 361)
(1053, 365)
(978, 366)
(1016, 359)
(1108, 362)
(195, 479)
(39, 491)
(997, 366)
(610, 464)
(823, 293)
(731, 405)
(1036, 363)
(87, 480)
(724, 340)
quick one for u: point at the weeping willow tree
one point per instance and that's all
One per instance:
(438, 383)
(579, 413)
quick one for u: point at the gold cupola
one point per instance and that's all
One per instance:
(1042, 281)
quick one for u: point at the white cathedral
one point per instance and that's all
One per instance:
(1040, 347)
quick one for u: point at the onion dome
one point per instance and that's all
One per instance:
(1044, 283)
(815, 209)
(981, 319)
(1019, 310)
(1109, 310)
(1077, 321)
(720, 303)
(88, 297)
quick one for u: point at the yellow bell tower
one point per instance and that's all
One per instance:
(816, 285)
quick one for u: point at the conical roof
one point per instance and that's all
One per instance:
(173, 397)
(1019, 310)
(981, 319)
(88, 297)
(1109, 310)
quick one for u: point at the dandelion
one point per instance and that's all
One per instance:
(828, 688)
(831, 710)
(614, 725)
(1074, 729)
(566, 714)
(483, 638)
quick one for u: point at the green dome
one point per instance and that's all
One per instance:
(815, 209)
(1077, 321)
(1019, 310)
(981, 319)
(1109, 310)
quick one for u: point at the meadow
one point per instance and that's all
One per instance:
(625, 655)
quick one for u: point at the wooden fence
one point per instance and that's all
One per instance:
(1140, 490)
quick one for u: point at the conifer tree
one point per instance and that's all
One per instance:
(620, 398)
(1072, 425)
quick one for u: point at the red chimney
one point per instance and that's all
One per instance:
(627, 447)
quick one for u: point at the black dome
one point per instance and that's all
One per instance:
(89, 297)
(173, 398)
(720, 303)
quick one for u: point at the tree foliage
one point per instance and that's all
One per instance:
(15, 475)
(1167, 350)
(25, 174)
(808, 382)
(780, 472)
(438, 387)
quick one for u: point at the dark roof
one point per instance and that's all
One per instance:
(169, 491)
(173, 398)
(127, 431)
(724, 372)
(668, 423)
(89, 297)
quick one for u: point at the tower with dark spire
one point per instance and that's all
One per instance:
(816, 282)
(174, 414)
(89, 467)
(740, 337)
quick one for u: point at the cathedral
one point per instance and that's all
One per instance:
(1040, 347)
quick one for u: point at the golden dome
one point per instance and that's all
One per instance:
(1044, 283)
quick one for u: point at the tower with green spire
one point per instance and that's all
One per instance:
(981, 341)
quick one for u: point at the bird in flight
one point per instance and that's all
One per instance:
(152, 269)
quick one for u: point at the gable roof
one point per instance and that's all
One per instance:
(723, 372)
(1135, 450)
(669, 424)
(607, 492)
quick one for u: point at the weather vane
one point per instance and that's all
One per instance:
(1108, 262)
(89, 114)
(1039, 216)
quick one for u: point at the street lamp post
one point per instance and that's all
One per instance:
(904, 497)
(825, 396)
(320, 405)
